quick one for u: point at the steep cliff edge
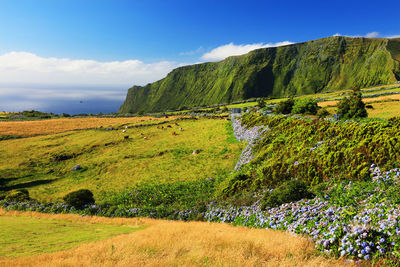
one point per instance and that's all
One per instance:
(327, 64)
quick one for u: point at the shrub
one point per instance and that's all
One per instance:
(290, 191)
(305, 106)
(79, 198)
(261, 103)
(323, 113)
(284, 107)
(19, 195)
(352, 107)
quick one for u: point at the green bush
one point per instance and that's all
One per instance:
(284, 107)
(79, 198)
(307, 106)
(19, 195)
(261, 103)
(323, 113)
(352, 107)
(289, 191)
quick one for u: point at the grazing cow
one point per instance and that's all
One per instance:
(126, 127)
(145, 138)
(176, 124)
(126, 137)
(173, 133)
(124, 131)
(169, 126)
(181, 129)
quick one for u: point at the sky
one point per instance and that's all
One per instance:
(81, 56)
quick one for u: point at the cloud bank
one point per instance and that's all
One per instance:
(24, 67)
(369, 35)
(28, 81)
(231, 49)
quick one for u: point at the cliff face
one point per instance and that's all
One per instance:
(328, 64)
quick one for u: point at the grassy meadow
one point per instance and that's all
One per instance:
(35, 234)
(52, 126)
(110, 163)
(146, 242)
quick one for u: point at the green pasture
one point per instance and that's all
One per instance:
(23, 236)
(111, 164)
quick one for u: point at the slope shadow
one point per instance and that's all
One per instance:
(27, 184)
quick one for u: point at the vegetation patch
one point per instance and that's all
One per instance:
(23, 236)
(315, 151)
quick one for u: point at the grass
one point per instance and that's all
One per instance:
(384, 107)
(385, 110)
(30, 235)
(110, 164)
(171, 243)
(51, 126)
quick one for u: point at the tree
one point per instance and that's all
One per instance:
(352, 107)
(284, 107)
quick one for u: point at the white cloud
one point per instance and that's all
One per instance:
(369, 35)
(372, 35)
(231, 49)
(24, 67)
(193, 52)
(28, 81)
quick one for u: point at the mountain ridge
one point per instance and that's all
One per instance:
(327, 64)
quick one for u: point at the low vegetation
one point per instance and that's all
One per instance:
(315, 151)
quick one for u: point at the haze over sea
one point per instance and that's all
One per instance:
(69, 99)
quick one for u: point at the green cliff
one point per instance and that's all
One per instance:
(328, 64)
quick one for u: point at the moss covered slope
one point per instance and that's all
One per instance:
(328, 64)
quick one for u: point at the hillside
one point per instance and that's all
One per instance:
(328, 64)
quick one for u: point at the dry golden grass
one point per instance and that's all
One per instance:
(171, 243)
(365, 100)
(42, 127)
(384, 110)
(389, 107)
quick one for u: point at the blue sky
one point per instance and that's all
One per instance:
(115, 44)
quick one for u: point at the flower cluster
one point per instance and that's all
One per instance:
(366, 229)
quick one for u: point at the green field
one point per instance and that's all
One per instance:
(21, 235)
(110, 164)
